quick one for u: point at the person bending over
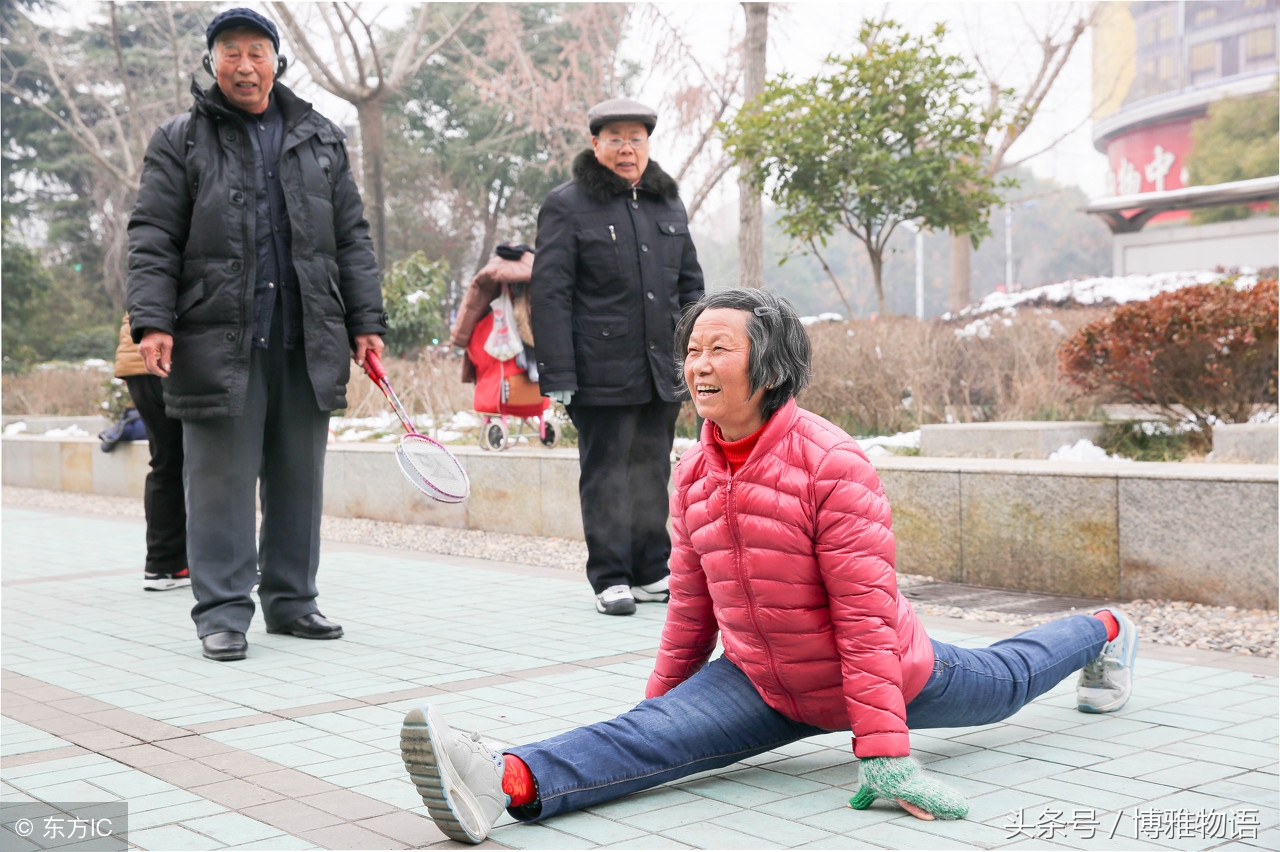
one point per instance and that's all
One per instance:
(782, 548)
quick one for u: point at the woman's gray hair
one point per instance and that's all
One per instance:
(780, 356)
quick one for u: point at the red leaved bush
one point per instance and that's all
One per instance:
(1209, 350)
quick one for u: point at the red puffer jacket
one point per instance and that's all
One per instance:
(791, 560)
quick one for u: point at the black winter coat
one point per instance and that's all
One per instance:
(614, 270)
(192, 254)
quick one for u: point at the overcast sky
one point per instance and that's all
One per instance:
(801, 34)
(1001, 33)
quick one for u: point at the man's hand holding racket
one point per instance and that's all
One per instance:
(366, 343)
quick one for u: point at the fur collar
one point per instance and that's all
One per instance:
(602, 184)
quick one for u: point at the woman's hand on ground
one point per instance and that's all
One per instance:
(902, 779)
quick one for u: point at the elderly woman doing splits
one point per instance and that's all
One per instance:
(782, 548)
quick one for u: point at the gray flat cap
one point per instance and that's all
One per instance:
(620, 109)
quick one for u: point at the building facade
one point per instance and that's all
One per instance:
(1156, 68)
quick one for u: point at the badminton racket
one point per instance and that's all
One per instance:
(424, 461)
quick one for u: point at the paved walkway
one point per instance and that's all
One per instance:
(106, 698)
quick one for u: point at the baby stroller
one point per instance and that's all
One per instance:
(505, 387)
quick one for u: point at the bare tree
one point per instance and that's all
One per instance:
(106, 84)
(1056, 41)
(750, 209)
(549, 95)
(351, 64)
(537, 70)
(692, 111)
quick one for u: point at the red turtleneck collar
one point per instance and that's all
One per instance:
(737, 452)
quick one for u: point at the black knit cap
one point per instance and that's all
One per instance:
(620, 109)
(235, 19)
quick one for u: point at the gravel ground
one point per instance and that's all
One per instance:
(1239, 631)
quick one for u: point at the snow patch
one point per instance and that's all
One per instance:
(1104, 289)
(1083, 450)
(824, 317)
(881, 444)
(66, 432)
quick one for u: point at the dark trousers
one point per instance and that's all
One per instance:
(624, 455)
(278, 444)
(717, 717)
(162, 500)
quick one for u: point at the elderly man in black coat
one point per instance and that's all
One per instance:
(252, 283)
(615, 267)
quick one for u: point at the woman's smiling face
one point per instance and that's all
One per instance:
(716, 369)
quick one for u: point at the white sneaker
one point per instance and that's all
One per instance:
(1107, 682)
(616, 600)
(656, 592)
(458, 775)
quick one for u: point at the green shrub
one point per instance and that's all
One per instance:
(1150, 440)
(414, 292)
(99, 341)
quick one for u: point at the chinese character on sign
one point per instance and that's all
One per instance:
(1129, 179)
(1159, 166)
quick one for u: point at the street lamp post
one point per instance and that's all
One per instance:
(915, 228)
(1008, 248)
(1008, 236)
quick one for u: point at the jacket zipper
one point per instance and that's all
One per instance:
(617, 255)
(732, 514)
(247, 281)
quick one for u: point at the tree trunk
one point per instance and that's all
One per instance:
(491, 220)
(371, 152)
(877, 267)
(750, 210)
(960, 248)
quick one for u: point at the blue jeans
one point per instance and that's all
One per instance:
(716, 717)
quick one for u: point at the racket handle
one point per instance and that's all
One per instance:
(373, 366)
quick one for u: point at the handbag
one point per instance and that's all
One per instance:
(128, 428)
(504, 341)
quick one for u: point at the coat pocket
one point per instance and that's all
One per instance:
(602, 327)
(598, 253)
(337, 294)
(673, 228)
(601, 346)
(674, 236)
(189, 298)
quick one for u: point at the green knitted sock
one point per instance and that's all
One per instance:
(902, 778)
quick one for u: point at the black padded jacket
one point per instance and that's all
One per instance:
(614, 270)
(192, 252)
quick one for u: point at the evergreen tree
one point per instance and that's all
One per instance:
(1238, 139)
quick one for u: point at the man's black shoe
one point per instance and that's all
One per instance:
(313, 625)
(225, 646)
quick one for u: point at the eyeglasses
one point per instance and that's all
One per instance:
(616, 144)
(230, 56)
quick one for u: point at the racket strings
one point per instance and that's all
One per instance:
(429, 464)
